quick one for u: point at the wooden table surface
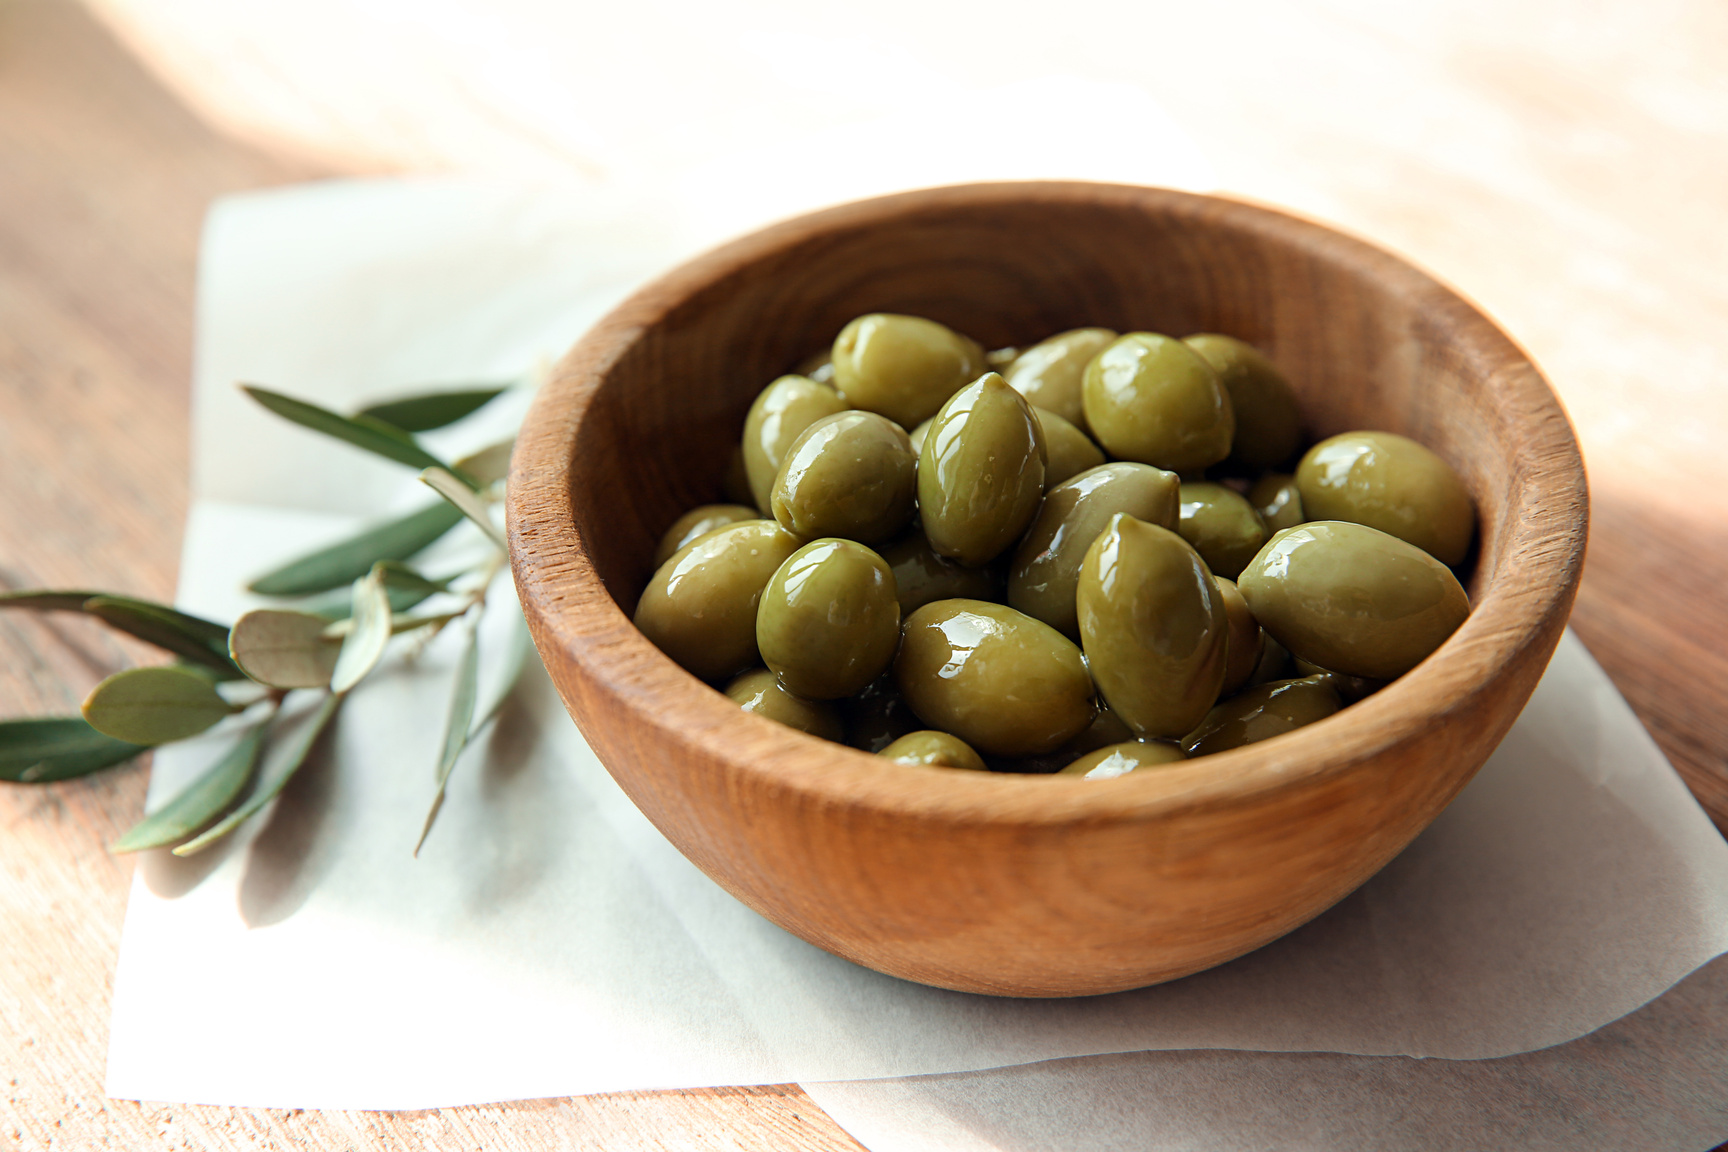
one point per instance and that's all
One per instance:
(1573, 187)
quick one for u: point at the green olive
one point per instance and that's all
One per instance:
(1153, 625)
(1049, 373)
(904, 367)
(1391, 483)
(828, 622)
(1262, 713)
(1046, 566)
(934, 749)
(921, 576)
(1001, 359)
(878, 716)
(1222, 526)
(1245, 642)
(916, 436)
(981, 472)
(1274, 661)
(735, 486)
(1121, 759)
(1003, 682)
(778, 417)
(1268, 427)
(1278, 501)
(1106, 728)
(700, 606)
(762, 693)
(1071, 451)
(819, 366)
(1350, 688)
(699, 522)
(1352, 598)
(850, 475)
(1156, 400)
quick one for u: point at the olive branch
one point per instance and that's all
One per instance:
(344, 604)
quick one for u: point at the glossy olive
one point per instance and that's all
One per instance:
(1120, 759)
(1069, 450)
(1275, 663)
(735, 484)
(1156, 400)
(1106, 728)
(700, 606)
(1245, 640)
(878, 716)
(981, 472)
(819, 366)
(904, 367)
(1046, 566)
(1262, 713)
(916, 436)
(1277, 499)
(1222, 526)
(1352, 598)
(698, 522)
(762, 693)
(1003, 682)
(1268, 427)
(921, 576)
(1153, 625)
(828, 622)
(850, 475)
(934, 749)
(1049, 373)
(780, 414)
(1001, 359)
(1391, 483)
(1350, 688)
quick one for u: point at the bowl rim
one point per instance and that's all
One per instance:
(571, 612)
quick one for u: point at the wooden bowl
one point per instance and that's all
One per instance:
(1036, 885)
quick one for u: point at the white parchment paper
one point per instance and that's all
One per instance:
(550, 942)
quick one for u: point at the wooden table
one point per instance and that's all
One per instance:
(1598, 243)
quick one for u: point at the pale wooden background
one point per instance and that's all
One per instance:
(1564, 164)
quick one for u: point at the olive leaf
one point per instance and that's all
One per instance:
(47, 599)
(201, 801)
(276, 776)
(374, 436)
(344, 562)
(428, 410)
(284, 649)
(189, 637)
(471, 506)
(457, 728)
(49, 748)
(154, 705)
(368, 636)
(490, 464)
(405, 587)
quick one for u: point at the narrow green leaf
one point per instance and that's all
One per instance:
(346, 561)
(154, 705)
(428, 410)
(518, 650)
(47, 599)
(458, 726)
(405, 587)
(189, 637)
(284, 649)
(200, 801)
(276, 777)
(490, 464)
(470, 505)
(369, 635)
(374, 436)
(49, 748)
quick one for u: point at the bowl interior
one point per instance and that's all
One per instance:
(1366, 341)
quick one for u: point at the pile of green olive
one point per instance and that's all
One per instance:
(1090, 556)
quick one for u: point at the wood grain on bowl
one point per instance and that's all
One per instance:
(1037, 886)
